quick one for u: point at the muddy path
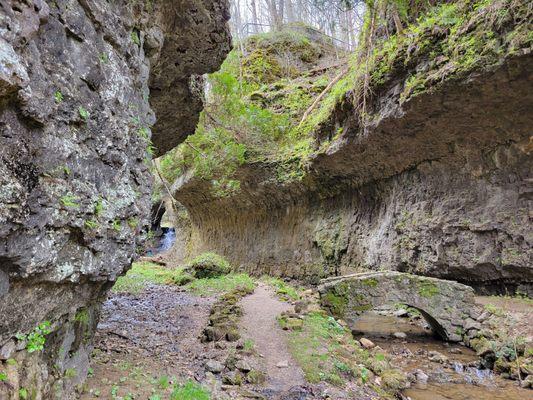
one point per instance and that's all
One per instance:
(144, 341)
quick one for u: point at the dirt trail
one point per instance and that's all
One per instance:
(259, 324)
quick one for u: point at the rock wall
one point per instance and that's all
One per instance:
(439, 185)
(79, 83)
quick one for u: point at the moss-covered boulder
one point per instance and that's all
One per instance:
(209, 265)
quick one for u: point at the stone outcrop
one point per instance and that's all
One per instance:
(79, 84)
(448, 307)
(437, 184)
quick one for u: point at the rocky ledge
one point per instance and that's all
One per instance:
(436, 181)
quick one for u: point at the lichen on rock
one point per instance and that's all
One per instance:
(78, 83)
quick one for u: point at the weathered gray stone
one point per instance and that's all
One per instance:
(214, 366)
(421, 376)
(78, 90)
(7, 350)
(470, 324)
(444, 304)
(243, 365)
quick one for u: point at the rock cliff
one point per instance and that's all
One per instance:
(81, 84)
(433, 177)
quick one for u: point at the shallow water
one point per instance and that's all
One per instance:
(456, 391)
(461, 380)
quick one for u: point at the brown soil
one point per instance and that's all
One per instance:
(260, 325)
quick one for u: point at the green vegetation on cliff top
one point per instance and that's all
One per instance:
(258, 97)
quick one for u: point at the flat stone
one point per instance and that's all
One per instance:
(214, 366)
(283, 364)
(232, 378)
(435, 356)
(366, 343)
(484, 316)
(471, 324)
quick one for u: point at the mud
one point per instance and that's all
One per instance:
(147, 339)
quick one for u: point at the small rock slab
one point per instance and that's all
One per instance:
(367, 343)
(214, 366)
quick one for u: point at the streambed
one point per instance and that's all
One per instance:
(448, 371)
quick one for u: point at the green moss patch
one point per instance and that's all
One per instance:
(427, 289)
(221, 284)
(209, 265)
(284, 290)
(370, 282)
(144, 273)
(334, 303)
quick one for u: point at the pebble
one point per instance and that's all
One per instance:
(283, 364)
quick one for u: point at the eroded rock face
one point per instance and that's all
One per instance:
(438, 186)
(75, 118)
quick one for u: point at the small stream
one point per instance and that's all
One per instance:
(165, 242)
(452, 370)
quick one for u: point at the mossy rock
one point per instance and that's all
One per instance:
(261, 67)
(255, 377)
(334, 303)
(482, 346)
(394, 380)
(292, 324)
(209, 265)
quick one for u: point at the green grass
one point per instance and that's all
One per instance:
(221, 284)
(498, 311)
(283, 289)
(326, 351)
(189, 391)
(248, 345)
(144, 273)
